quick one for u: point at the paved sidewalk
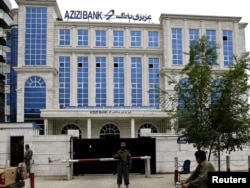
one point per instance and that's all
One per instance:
(103, 181)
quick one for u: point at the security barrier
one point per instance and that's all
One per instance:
(70, 161)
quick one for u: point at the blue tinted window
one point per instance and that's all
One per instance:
(136, 81)
(101, 81)
(64, 81)
(7, 99)
(34, 98)
(211, 40)
(193, 35)
(82, 81)
(118, 40)
(83, 37)
(153, 39)
(211, 37)
(177, 53)
(228, 47)
(135, 38)
(7, 78)
(184, 85)
(118, 81)
(216, 88)
(100, 38)
(153, 71)
(64, 37)
(36, 36)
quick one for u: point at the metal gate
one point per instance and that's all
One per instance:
(106, 148)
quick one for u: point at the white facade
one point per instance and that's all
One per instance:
(128, 120)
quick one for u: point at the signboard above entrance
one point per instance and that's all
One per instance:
(98, 15)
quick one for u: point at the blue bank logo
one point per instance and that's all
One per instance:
(99, 15)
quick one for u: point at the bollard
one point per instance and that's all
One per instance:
(228, 163)
(32, 180)
(248, 163)
(176, 170)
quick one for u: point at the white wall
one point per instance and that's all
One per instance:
(167, 149)
(50, 150)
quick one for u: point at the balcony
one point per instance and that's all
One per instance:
(6, 5)
(5, 19)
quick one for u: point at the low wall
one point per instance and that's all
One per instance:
(167, 149)
(49, 151)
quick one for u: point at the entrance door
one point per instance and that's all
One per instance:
(16, 150)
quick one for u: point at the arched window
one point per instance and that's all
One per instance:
(71, 127)
(110, 131)
(147, 126)
(34, 100)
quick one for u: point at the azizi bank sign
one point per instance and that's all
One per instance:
(99, 15)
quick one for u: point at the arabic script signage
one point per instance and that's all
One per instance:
(98, 15)
(110, 112)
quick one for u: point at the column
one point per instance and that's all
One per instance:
(73, 80)
(20, 105)
(73, 38)
(167, 44)
(132, 128)
(145, 81)
(127, 38)
(235, 41)
(88, 128)
(92, 81)
(127, 77)
(46, 126)
(220, 58)
(185, 41)
(110, 80)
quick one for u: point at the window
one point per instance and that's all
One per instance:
(211, 36)
(136, 81)
(71, 127)
(109, 131)
(177, 52)
(101, 93)
(82, 77)
(147, 126)
(34, 100)
(118, 40)
(64, 81)
(228, 47)
(193, 35)
(36, 36)
(7, 99)
(100, 38)
(153, 39)
(135, 38)
(7, 78)
(118, 81)
(217, 86)
(83, 37)
(154, 82)
(64, 35)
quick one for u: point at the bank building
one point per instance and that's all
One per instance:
(92, 75)
(87, 70)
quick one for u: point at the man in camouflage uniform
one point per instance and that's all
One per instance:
(124, 165)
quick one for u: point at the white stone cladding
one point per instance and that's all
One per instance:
(55, 119)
